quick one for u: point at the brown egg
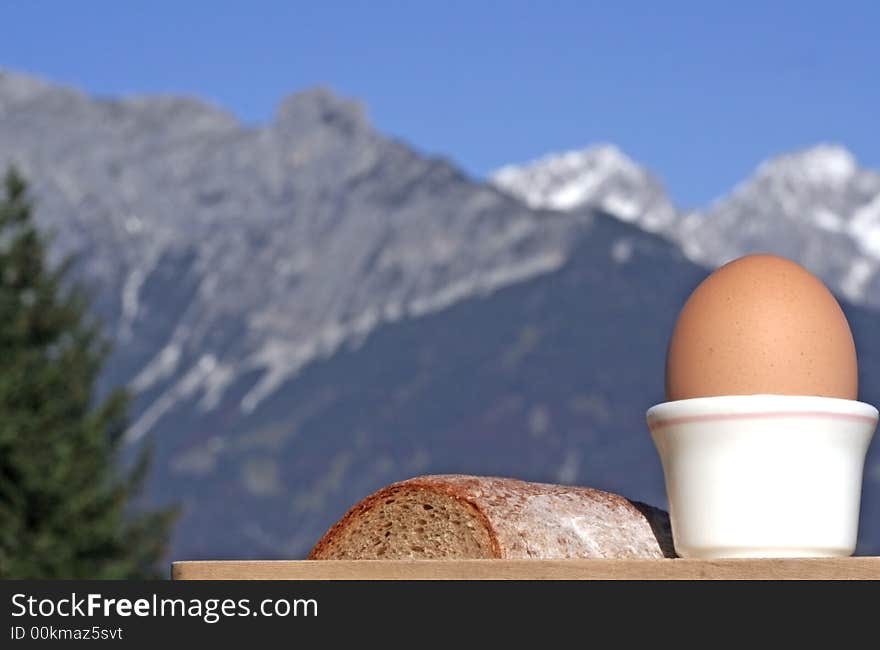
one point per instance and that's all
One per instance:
(761, 325)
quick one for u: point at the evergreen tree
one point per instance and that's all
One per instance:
(65, 503)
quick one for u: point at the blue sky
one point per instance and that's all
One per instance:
(698, 91)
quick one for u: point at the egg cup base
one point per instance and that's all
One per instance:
(716, 553)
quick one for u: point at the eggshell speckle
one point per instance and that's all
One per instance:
(761, 325)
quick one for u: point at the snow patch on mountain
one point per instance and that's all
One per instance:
(184, 388)
(816, 206)
(600, 177)
(824, 164)
(864, 226)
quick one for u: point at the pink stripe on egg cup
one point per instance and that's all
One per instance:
(767, 415)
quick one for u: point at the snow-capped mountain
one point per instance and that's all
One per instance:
(600, 177)
(308, 310)
(816, 206)
(220, 251)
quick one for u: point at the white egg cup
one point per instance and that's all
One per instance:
(763, 475)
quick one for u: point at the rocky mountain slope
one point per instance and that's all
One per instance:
(816, 206)
(308, 310)
(546, 380)
(219, 251)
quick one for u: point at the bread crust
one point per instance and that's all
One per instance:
(537, 520)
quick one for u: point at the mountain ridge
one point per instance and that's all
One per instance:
(816, 206)
(234, 184)
(308, 309)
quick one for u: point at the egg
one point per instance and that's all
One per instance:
(761, 324)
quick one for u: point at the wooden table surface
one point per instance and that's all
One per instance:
(850, 568)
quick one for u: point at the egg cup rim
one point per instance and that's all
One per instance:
(793, 404)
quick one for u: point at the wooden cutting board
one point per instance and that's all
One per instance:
(850, 568)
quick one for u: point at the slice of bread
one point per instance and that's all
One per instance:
(460, 517)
